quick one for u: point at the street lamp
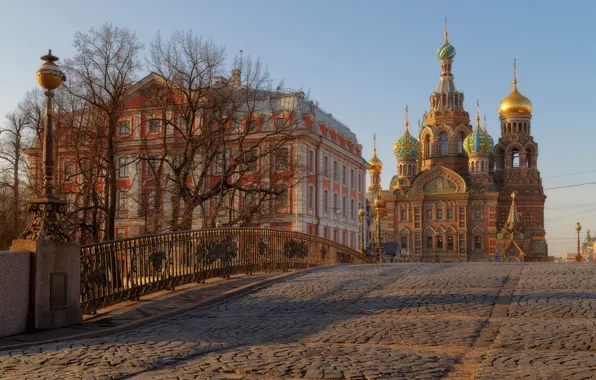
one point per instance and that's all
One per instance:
(436, 247)
(578, 228)
(362, 214)
(47, 211)
(379, 206)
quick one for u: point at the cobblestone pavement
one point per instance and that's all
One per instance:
(427, 321)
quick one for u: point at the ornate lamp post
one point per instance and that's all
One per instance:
(362, 214)
(379, 206)
(578, 228)
(47, 211)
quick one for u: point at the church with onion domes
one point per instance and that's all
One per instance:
(458, 195)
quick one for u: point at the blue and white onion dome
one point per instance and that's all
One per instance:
(446, 50)
(478, 141)
(407, 145)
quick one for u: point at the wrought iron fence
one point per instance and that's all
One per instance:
(116, 271)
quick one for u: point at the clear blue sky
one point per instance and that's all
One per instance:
(364, 61)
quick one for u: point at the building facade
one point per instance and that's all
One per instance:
(453, 192)
(329, 183)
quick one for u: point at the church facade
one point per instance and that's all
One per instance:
(458, 196)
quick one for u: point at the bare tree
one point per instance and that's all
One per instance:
(217, 131)
(104, 66)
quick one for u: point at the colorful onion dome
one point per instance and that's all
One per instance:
(515, 103)
(478, 141)
(375, 164)
(446, 50)
(407, 145)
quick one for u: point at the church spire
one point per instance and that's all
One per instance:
(513, 220)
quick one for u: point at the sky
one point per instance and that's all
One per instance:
(364, 61)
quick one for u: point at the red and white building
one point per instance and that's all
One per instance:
(325, 202)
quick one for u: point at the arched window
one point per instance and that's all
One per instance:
(515, 158)
(444, 143)
(460, 142)
(482, 165)
(427, 146)
(450, 243)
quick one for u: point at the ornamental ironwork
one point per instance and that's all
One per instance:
(121, 270)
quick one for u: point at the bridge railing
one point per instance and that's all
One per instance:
(116, 271)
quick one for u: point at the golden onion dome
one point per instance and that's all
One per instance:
(515, 103)
(375, 164)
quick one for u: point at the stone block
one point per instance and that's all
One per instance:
(50, 258)
(14, 292)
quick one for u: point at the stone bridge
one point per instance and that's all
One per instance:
(428, 321)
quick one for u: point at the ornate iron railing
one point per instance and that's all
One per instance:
(116, 271)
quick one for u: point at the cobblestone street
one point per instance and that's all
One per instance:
(429, 321)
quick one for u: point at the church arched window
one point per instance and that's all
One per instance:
(444, 143)
(515, 158)
(460, 142)
(478, 242)
(427, 146)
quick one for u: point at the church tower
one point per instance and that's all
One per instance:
(446, 125)
(479, 145)
(375, 167)
(516, 162)
(407, 151)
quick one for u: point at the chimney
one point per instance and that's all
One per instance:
(235, 81)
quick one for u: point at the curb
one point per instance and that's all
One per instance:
(144, 321)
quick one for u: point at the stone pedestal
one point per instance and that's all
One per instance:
(55, 283)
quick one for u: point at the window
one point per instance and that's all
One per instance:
(427, 146)
(122, 195)
(154, 125)
(352, 209)
(439, 213)
(154, 163)
(326, 232)
(181, 124)
(404, 215)
(404, 242)
(343, 237)
(352, 178)
(429, 214)
(282, 199)
(124, 128)
(449, 213)
(429, 242)
(335, 235)
(515, 158)
(344, 174)
(335, 171)
(477, 242)
(282, 158)
(221, 161)
(120, 233)
(477, 213)
(250, 160)
(359, 182)
(335, 203)
(326, 167)
(68, 169)
(326, 201)
(280, 123)
(311, 230)
(123, 167)
(153, 199)
(439, 242)
(71, 200)
(311, 197)
(311, 161)
(251, 125)
(444, 143)
(344, 206)
(460, 142)
(450, 243)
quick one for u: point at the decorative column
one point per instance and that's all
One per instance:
(380, 208)
(55, 266)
